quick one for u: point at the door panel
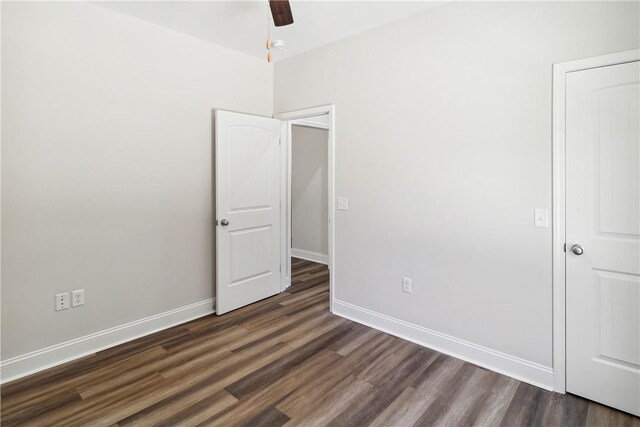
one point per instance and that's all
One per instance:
(619, 180)
(603, 215)
(619, 317)
(248, 251)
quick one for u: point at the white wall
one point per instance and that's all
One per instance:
(309, 204)
(106, 166)
(443, 147)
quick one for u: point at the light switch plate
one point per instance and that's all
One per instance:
(541, 218)
(343, 204)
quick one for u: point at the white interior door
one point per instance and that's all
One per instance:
(248, 187)
(602, 235)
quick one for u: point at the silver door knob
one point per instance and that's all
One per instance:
(224, 222)
(577, 249)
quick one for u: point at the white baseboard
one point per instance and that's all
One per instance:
(48, 357)
(515, 367)
(310, 256)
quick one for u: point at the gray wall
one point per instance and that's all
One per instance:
(443, 146)
(309, 204)
(106, 166)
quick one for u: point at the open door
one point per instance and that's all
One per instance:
(603, 234)
(248, 203)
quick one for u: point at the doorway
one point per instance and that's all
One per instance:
(309, 136)
(597, 229)
(309, 197)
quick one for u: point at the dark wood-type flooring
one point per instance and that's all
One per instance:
(285, 360)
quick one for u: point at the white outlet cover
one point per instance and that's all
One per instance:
(77, 298)
(406, 285)
(62, 301)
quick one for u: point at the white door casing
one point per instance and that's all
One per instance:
(248, 196)
(287, 118)
(603, 216)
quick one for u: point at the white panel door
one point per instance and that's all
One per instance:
(247, 174)
(602, 235)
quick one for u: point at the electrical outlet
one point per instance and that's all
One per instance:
(62, 301)
(77, 298)
(406, 285)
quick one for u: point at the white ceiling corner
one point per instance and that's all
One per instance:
(242, 25)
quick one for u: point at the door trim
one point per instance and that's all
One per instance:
(560, 71)
(287, 117)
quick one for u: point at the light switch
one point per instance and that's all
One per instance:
(343, 204)
(541, 218)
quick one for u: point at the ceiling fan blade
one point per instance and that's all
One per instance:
(281, 12)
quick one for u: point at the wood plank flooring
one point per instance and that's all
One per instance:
(288, 361)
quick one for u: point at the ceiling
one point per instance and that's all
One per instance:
(242, 25)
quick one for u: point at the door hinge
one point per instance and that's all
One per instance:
(564, 247)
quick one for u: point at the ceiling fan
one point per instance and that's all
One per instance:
(281, 12)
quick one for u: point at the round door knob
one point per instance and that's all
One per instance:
(224, 222)
(577, 249)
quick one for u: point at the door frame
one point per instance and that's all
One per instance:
(560, 71)
(287, 118)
